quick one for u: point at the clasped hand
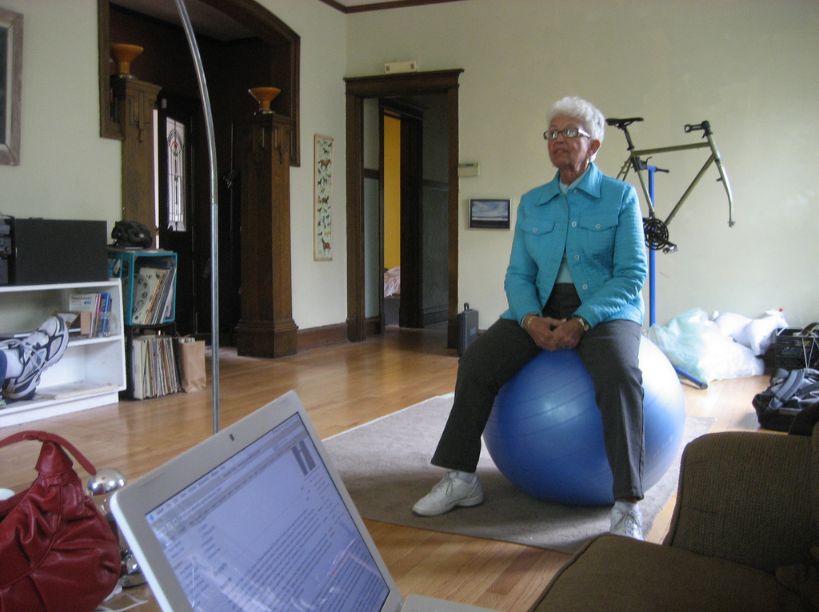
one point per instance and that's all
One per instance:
(554, 334)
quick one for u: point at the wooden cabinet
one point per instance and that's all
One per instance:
(90, 373)
(263, 149)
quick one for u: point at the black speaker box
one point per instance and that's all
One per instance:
(51, 251)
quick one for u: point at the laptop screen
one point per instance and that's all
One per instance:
(268, 530)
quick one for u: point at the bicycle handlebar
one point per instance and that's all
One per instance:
(704, 126)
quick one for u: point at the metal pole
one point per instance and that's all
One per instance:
(652, 259)
(214, 210)
(652, 288)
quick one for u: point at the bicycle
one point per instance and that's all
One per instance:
(656, 230)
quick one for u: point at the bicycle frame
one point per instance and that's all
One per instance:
(635, 162)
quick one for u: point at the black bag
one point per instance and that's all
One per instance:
(789, 393)
(467, 328)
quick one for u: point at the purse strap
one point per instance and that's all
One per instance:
(44, 436)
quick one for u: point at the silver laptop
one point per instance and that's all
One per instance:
(256, 518)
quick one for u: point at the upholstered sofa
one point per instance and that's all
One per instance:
(744, 537)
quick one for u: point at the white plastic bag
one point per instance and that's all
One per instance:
(759, 334)
(696, 345)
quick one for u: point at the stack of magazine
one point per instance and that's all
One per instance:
(153, 366)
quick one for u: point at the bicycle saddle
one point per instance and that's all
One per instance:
(621, 123)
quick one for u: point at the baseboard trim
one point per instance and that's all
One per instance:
(332, 334)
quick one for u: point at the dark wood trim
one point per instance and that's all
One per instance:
(356, 330)
(134, 101)
(404, 84)
(109, 128)
(256, 18)
(266, 328)
(325, 335)
(408, 84)
(321, 336)
(379, 6)
(336, 5)
(452, 303)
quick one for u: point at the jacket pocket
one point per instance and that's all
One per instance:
(597, 236)
(538, 227)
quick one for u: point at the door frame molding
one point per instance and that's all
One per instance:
(407, 84)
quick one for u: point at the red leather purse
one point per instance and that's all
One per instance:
(57, 551)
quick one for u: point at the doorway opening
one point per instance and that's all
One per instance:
(415, 213)
(399, 93)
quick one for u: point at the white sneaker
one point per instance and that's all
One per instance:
(629, 524)
(449, 493)
(38, 351)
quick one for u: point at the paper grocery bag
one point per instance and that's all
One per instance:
(192, 364)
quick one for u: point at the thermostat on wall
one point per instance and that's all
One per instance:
(472, 169)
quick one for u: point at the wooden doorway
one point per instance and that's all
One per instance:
(358, 89)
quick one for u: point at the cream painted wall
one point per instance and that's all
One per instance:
(750, 67)
(319, 287)
(66, 170)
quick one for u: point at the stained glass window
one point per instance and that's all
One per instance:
(177, 175)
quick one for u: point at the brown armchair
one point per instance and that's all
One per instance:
(744, 536)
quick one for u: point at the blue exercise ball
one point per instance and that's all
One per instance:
(545, 432)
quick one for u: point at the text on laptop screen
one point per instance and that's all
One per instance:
(268, 530)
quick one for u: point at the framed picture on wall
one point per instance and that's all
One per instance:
(323, 210)
(11, 76)
(489, 214)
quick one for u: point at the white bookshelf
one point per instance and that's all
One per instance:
(91, 373)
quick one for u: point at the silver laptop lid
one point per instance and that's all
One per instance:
(254, 518)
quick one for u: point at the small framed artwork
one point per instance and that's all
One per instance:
(11, 75)
(489, 214)
(323, 205)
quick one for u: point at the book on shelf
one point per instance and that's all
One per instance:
(94, 313)
(78, 323)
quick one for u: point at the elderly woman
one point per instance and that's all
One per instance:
(577, 267)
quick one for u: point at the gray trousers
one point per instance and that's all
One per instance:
(610, 353)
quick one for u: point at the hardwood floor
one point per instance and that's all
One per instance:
(343, 386)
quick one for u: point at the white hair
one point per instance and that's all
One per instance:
(583, 110)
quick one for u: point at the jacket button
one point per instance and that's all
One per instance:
(585, 286)
(574, 223)
(598, 226)
(576, 257)
(534, 230)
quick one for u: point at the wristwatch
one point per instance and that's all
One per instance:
(583, 323)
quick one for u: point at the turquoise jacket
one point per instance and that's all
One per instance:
(600, 227)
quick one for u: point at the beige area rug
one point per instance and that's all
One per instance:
(385, 466)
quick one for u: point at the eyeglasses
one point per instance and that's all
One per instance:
(569, 132)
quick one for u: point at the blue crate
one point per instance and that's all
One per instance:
(148, 284)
